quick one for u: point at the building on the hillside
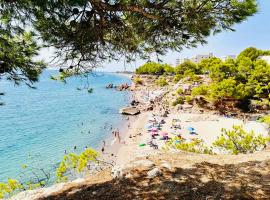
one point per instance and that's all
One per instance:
(223, 58)
(181, 60)
(178, 62)
(195, 59)
(198, 58)
(266, 58)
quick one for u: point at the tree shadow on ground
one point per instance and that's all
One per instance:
(249, 180)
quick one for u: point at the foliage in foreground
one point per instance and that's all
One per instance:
(13, 186)
(86, 33)
(195, 146)
(237, 141)
(265, 119)
(233, 141)
(71, 165)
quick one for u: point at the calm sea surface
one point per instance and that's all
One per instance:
(38, 125)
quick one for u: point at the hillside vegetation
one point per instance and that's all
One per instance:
(245, 80)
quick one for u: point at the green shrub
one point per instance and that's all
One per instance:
(138, 80)
(187, 66)
(161, 82)
(152, 68)
(201, 90)
(265, 119)
(168, 69)
(237, 141)
(179, 100)
(189, 99)
(195, 146)
(74, 163)
(179, 91)
(177, 78)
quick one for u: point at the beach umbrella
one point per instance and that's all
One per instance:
(154, 129)
(191, 129)
(163, 133)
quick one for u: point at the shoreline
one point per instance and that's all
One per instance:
(208, 125)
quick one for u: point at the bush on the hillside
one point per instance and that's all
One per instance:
(138, 80)
(223, 70)
(180, 100)
(188, 66)
(200, 90)
(265, 119)
(161, 82)
(191, 76)
(154, 68)
(189, 99)
(177, 78)
(245, 78)
(207, 63)
(179, 91)
(237, 141)
(151, 68)
(252, 53)
(195, 146)
(168, 69)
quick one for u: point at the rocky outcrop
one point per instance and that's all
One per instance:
(123, 86)
(129, 111)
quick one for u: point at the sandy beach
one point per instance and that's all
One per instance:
(207, 126)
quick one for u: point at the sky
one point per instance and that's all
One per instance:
(255, 31)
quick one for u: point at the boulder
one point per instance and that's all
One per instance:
(123, 86)
(129, 111)
(109, 86)
(153, 173)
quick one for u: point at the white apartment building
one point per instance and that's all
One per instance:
(266, 58)
(223, 58)
(198, 58)
(195, 59)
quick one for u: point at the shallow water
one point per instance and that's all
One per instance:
(37, 126)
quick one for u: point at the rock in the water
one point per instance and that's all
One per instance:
(153, 173)
(109, 86)
(123, 86)
(129, 111)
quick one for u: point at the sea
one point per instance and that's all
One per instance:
(38, 126)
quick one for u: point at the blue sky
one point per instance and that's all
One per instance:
(253, 32)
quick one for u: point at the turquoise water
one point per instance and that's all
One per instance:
(37, 126)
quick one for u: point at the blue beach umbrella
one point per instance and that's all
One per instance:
(191, 129)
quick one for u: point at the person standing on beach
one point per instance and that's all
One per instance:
(118, 135)
(103, 148)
